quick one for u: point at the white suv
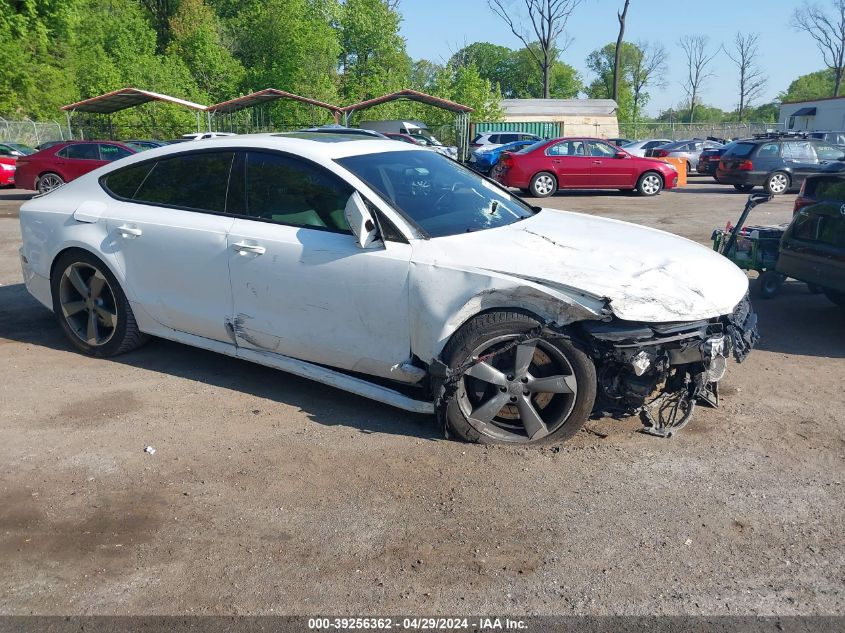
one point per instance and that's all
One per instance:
(489, 140)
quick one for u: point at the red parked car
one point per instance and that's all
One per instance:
(582, 163)
(61, 163)
(7, 171)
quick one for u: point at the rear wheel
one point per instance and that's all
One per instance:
(91, 308)
(543, 185)
(650, 184)
(523, 391)
(49, 181)
(744, 188)
(777, 183)
(769, 283)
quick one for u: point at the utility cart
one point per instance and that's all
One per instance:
(753, 247)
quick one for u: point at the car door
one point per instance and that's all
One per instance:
(301, 284)
(167, 229)
(78, 159)
(801, 159)
(571, 163)
(609, 171)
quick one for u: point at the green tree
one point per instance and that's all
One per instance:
(195, 37)
(812, 86)
(373, 59)
(601, 62)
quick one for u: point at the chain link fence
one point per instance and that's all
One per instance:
(32, 133)
(681, 131)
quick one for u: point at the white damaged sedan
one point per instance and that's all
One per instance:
(390, 272)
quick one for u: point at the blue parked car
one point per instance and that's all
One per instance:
(484, 159)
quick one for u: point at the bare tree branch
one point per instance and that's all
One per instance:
(547, 20)
(617, 56)
(752, 81)
(698, 63)
(829, 34)
(649, 69)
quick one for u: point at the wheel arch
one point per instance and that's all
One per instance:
(546, 305)
(85, 248)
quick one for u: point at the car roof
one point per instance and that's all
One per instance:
(316, 146)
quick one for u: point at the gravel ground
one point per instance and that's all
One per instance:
(269, 494)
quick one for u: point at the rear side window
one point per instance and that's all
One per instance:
(569, 148)
(740, 150)
(290, 191)
(494, 138)
(769, 150)
(81, 151)
(192, 181)
(113, 152)
(124, 183)
(799, 150)
(828, 230)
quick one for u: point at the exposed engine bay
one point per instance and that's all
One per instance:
(662, 370)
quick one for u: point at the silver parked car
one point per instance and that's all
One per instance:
(639, 148)
(689, 150)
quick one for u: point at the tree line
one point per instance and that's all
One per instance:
(344, 51)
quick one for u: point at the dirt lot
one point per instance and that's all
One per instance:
(270, 494)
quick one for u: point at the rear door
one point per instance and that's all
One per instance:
(78, 159)
(571, 163)
(168, 227)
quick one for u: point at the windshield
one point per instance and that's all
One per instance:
(440, 195)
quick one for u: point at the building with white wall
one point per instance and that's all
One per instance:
(816, 114)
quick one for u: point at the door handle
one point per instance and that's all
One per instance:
(596, 162)
(129, 232)
(243, 248)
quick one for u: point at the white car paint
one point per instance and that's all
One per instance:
(279, 295)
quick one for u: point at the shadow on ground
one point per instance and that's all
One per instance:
(24, 320)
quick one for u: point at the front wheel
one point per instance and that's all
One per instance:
(543, 185)
(516, 390)
(744, 188)
(649, 184)
(91, 308)
(777, 183)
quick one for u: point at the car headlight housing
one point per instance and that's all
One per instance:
(7, 167)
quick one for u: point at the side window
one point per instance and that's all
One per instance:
(113, 152)
(193, 181)
(769, 150)
(494, 138)
(568, 148)
(829, 152)
(123, 183)
(289, 191)
(602, 150)
(82, 151)
(806, 227)
(799, 150)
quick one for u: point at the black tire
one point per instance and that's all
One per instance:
(563, 413)
(777, 183)
(543, 185)
(769, 283)
(123, 336)
(48, 181)
(744, 188)
(837, 297)
(650, 184)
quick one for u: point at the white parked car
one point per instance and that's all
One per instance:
(492, 140)
(324, 255)
(639, 148)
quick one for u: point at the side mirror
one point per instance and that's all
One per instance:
(620, 155)
(360, 221)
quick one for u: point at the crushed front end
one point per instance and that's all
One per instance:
(662, 370)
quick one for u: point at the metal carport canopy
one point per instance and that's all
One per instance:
(410, 95)
(263, 96)
(126, 98)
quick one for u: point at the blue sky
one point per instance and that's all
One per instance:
(436, 28)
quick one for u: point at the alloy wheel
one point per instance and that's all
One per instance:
(48, 182)
(87, 304)
(778, 183)
(650, 185)
(521, 394)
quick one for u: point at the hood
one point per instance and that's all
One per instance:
(648, 275)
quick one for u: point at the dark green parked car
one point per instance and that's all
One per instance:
(813, 248)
